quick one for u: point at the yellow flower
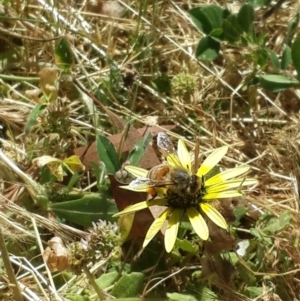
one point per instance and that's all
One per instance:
(183, 191)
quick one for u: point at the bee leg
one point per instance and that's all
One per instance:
(152, 192)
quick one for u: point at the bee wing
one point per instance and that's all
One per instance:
(143, 184)
(167, 148)
(140, 184)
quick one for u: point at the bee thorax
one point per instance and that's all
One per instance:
(180, 177)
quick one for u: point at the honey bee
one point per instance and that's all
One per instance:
(178, 179)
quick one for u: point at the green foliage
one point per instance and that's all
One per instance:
(208, 49)
(89, 208)
(110, 87)
(246, 17)
(139, 149)
(208, 18)
(107, 279)
(272, 224)
(220, 25)
(232, 29)
(182, 297)
(291, 30)
(100, 172)
(286, 58)
(295, 52)
(162, 84)
(32, 119)
(129, 285)
(277, 83)
(107, 154)
(63, 55)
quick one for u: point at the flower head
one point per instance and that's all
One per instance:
(185, 190)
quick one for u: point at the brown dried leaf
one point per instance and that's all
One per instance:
(48, 82)
(56, 255)
(124, 198)
(150, 159)
(220, 240)
(34, 95)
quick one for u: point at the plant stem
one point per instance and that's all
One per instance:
(91, 278)
(10, 272)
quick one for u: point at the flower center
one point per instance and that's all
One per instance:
(184, 199)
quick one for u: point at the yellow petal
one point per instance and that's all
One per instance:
(212, 160)
(156, 226)
(172, 229)
(227, 174)
(141, 205)
(184, 155)
(222, 195)
(214, 215)
(137, 171)
(198, 223)
(234, 183)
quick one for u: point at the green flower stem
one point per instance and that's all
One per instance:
(19, 78)
(91, 278)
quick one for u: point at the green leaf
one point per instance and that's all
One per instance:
(208, 18)
(246, 17)
(47, 176)
(75, 177)
(261, 39)
(286, 58)
(273, 57)
(217, 34)
(278, 224)
(239, 213)
(99, 169)
(208, 49)
(292, 27)
(35, 113)
(162, 84)
(107, 154)
(245, 275)
(89, 208)
(106, 280)
(208, 295)
(181, 297)
(261, 57)
(186, 246)
(253, 291)
(63, 55)
(256, 233)
(129, 285)
(232, 29)
(277, 83)
(75, 297)
(139, 150)
(296, 54)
